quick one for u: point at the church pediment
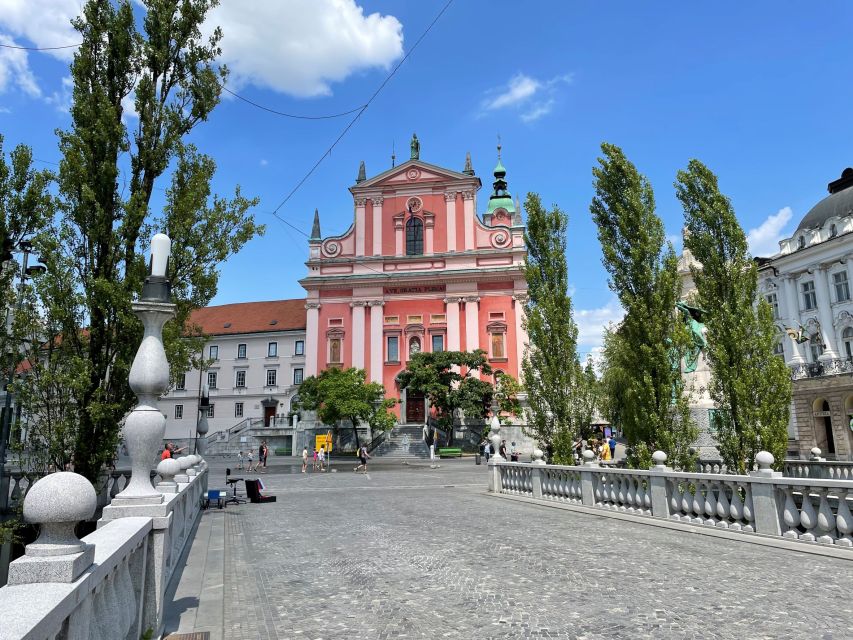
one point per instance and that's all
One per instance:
(414, 172)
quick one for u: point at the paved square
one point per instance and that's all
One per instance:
(420, 553)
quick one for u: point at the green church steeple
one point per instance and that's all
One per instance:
(501, 197)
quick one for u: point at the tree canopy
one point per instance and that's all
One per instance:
(750, 385)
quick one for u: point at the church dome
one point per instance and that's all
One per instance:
(837, 204)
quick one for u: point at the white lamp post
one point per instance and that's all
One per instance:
(149, 378)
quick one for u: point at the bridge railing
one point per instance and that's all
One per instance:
(764, 502)
(111, 584)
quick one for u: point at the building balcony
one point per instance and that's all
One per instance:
(833, 367)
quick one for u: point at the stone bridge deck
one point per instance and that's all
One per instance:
(409, 552)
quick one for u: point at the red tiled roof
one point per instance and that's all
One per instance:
(249, 317)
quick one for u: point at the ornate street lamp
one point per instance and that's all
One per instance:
(149, 379)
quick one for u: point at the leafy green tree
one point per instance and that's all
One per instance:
(96, 242)
(652, 340)
(440, 377)
(344, 394)
(557, 390)
(750, 385)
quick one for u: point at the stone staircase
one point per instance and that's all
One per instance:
(395, 444)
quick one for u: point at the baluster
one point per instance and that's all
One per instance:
(722, 507)
(80, 624)
(686, 501)
(844, 519)
(710, 504)
(15, 497)
(632, 495)
(736, 508)
(622, 493)
(613, 493)
(790, 515)
(808, 517)
(641, 496)
(748, 510)
(556, 484)
(825, 520)
(698, 504)
(599, 493)
(674, 500)
(578, 489)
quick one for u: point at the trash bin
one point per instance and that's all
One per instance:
(477, 458)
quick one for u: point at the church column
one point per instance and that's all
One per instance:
(468, 218)
(377, 225)
(452, 311)
(472, 323)
(358, 333)
(312, 338)
(360, 221)
(792, 307)
(398, 236)
(450, 199)
(519, 300)
(824, 307)
(377, 348)
(429, 233)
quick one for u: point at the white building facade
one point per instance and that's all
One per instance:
(256, 355)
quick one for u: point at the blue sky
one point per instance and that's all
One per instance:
(759, 91)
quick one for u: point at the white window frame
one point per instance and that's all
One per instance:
(844, 284)
(809, 295)
(238, 409)
(237, 378)
(432, 342)
(299, 348)
(244, 348)
(181, 382)
(179, 412)
(212, 378)
(210, 411)
(388, 348)
(773, 301)
(274, 382)
(301, 375)
(272, 349)
(213, 352)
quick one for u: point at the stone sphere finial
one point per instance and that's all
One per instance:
(659, 458)
(588, 455)
(764, 459)
(168, 469)
(57, 503)
(185, 462)
(816, 453)
(537, 456)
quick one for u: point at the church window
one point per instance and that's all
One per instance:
(801, 242)
(414, 237)
(437, 343)
(779, 349)
(392, 351)
(842, 288)
(847, 338)
(335, 350)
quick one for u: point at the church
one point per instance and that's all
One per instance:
(421, 268)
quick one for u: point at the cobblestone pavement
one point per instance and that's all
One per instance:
(420, 553)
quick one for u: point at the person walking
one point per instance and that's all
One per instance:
(502, 450)
(249, 460)
(304, 459)
(240, 460)
(611, 442)
(363, 457)
(314, 461)
(262, 456)
(321, 458)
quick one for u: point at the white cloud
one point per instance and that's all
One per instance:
(531, 97)
(15, 69)
(764, 239)
(592, 322)
(43, 23)
(301, 47)
(61, 99)
(264, 162)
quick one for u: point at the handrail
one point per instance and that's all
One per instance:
(377, 441)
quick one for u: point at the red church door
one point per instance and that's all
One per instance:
(414, 407)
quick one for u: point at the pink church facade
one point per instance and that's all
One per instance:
(418, 270)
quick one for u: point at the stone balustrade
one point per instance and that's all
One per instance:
(816, 510)
(109, 585)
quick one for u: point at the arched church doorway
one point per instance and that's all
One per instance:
(823, 426)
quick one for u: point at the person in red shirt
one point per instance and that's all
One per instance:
(169, 451)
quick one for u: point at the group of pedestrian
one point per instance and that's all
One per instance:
(249, 458)
(603, 447)
(318, 459)
(489, 450)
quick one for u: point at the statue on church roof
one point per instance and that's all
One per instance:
(469, 169)
(416, 147)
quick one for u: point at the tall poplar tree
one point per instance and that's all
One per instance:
(749, 384)
(651, 340)
(552, 373)
(94, 251)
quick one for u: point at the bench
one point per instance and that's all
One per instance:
(449, 452)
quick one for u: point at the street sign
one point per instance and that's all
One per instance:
(323, 442)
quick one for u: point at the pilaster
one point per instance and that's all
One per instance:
(450, 199)
(312, 338)
(360, 222)
(377, 348)
(824, 307)
(468, 218)
(358, 335)
(377, 224)
(472, 323)
(453, 327)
